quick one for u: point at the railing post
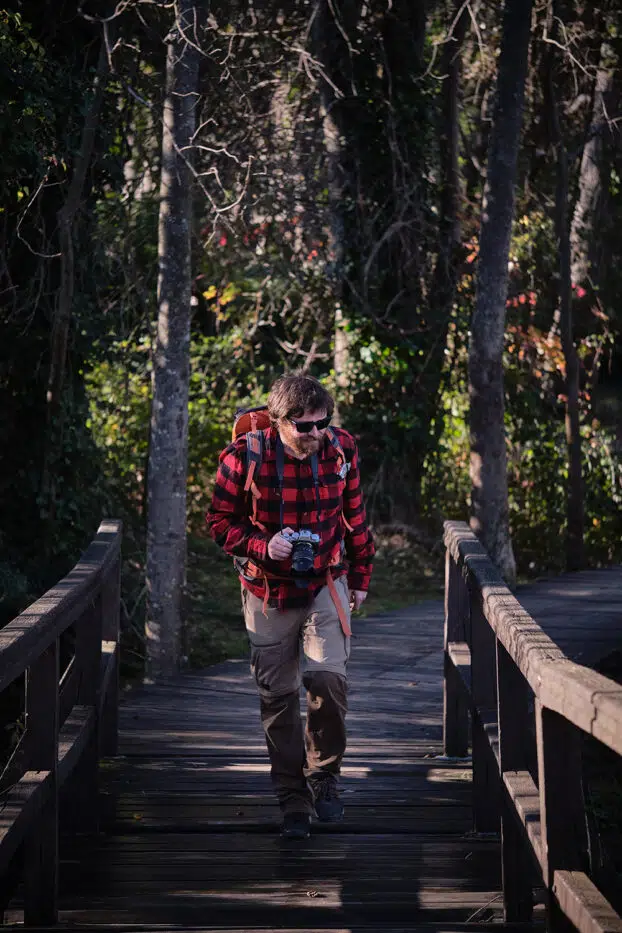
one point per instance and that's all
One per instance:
(455, 708)
(514, 755)
(111, 601)
(486, 777)
(85, 780)
(562, 804)
(41, 847)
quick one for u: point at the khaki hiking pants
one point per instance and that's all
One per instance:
(288, 648)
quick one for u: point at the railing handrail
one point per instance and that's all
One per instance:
(587, 699)
(527, 705)
(71, 698)
(29, 634)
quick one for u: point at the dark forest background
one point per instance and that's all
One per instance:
(339, 162)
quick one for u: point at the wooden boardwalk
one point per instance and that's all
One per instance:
(189, 827)
(581, 612)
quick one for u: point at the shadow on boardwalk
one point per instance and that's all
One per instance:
(190, 824)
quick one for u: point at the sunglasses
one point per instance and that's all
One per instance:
(304, 427)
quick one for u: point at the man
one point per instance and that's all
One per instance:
(308, 481)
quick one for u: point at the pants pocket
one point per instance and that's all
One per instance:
(266, 667)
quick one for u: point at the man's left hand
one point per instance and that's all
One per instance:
(357, 598)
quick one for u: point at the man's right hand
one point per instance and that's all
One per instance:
(278, 547)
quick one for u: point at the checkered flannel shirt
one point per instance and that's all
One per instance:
(347, 551)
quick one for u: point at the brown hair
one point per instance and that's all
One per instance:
(294, 393)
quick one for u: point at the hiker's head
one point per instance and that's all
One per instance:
(301, 409)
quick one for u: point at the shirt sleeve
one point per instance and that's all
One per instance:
(227, 518)
(360, 547)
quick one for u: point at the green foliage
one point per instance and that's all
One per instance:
(119, 391)
(537, 461)
(28, 106)
(268, 277)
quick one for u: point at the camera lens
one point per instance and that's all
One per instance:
(302, 557)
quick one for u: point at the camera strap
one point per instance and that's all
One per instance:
(280, 472)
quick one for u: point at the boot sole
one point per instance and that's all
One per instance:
(296, 836)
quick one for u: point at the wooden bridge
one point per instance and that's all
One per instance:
(176, 827)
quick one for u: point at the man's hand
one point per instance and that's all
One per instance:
(278, 547)
(357, 598)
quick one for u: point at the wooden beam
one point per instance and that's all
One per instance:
(73, 739)
(583, 904)
(525, 797)
(109, 709)
(460, 656)
(41, 842)
(457, 625)
(24, 639)
(589, 700)
(20, 807)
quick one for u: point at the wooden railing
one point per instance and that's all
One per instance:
(525, 706)
(65, 647)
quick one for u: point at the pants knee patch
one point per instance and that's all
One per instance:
(273, 675)
(321, 682)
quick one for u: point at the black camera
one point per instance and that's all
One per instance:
(305, 545)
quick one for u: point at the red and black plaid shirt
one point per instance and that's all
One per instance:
(347, 551)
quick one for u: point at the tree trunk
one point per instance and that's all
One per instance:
(489, 492)
(445, 270)
(61, 324)
(584, 239)
(574, 489)
(333, 26)
(166, 493)
(450, 148)
(336, 250)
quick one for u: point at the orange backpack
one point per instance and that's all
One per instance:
(253, 422)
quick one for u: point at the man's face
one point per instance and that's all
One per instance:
(304, 444)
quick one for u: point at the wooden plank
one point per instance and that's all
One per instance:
(525, 797)
(460, 655)
(193, 798)
(108, 671)
(486, 797)
(583, 904)
(514, 756)
(316, 910)
(562, 805)
(361, 927)
(85, 774)
(109, 696)
(35, 629)
(589, 700)
(19, 808)
(253, 819)
(41, 736)
(73, 739)
(457, 623)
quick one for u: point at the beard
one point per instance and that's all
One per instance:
(305, 446)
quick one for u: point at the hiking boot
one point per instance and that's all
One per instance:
(296, 826)
(328, 806)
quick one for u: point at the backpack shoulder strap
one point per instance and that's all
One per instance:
(344, 462)
(254, 457)
(255, 441)
(344, 468)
